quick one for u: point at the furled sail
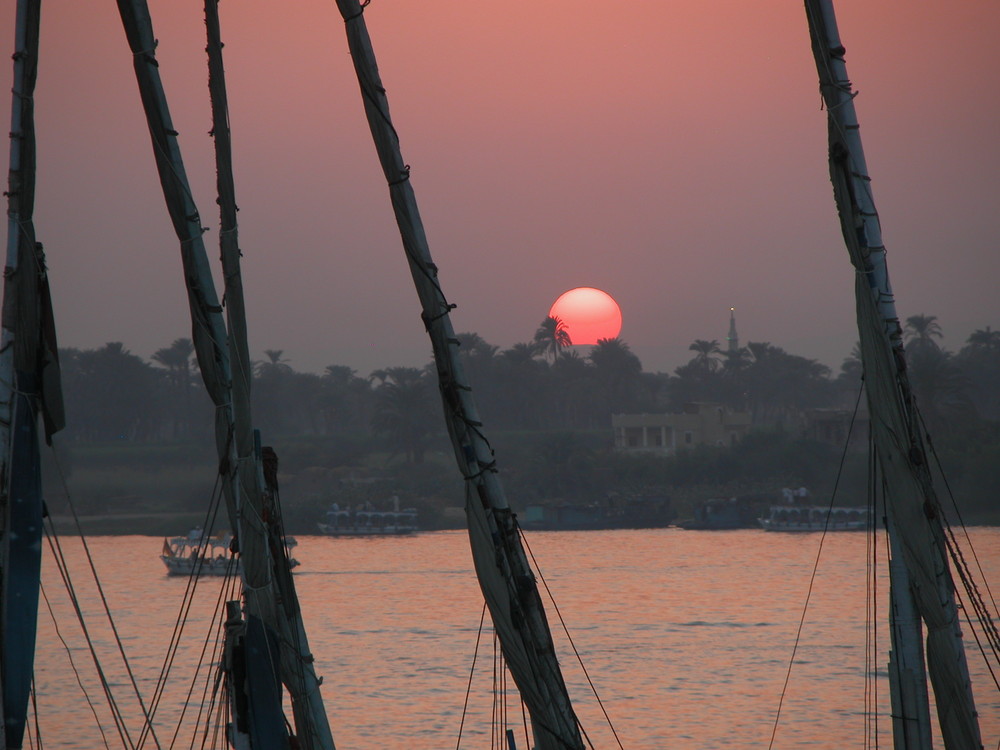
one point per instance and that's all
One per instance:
(914, 515)
(29, 387)
(506, 578)
(273, 619)
(312, 725)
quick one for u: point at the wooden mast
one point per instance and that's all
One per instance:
(922, 586)
(271, 627)
(506, 578)
(297, 670)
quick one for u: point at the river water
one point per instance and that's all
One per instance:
(687, 636)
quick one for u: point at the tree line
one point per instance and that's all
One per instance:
(547, 408)
(540, 385)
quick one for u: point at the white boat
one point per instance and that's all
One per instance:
(815, 518)
(196, 554)
(267, 619)
(367, 520)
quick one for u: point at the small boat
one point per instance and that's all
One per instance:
(723, 513)
(642, 512)
(366, 520)
(815, 518)
(206, 556)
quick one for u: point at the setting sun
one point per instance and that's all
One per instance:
(588, 314)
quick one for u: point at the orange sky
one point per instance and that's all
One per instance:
(672, 154)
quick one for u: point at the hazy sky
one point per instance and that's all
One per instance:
(672, 154)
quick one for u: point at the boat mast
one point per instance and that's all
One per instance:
(269, 623)
(29, 385)
(312, 725)
(921, 584)
(506, 578)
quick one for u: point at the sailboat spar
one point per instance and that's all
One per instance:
(267, 620)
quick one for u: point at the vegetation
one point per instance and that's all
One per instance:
(139, 433)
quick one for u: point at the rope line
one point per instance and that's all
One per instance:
(572, 644)
(815, 570)
(468, 689)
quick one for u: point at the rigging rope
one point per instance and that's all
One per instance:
(72, 665)
(579, 658)
(472, 671)
(63, 569)
(100, 588)
(180, 621)
(986, 618)
(815, 570)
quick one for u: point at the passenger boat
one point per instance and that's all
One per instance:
(366, 520)
(815, 518)
(206, 556)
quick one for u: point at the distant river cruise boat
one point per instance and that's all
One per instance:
(815, 518)
(366, 520)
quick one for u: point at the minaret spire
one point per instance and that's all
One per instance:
(732, 338)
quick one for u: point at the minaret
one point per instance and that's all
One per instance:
(732, 338)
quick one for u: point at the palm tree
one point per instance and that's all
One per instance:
(276, 363)
(404, 410)
(779, 384)
(979, 361)
(707, 351)
(618, 372)
(177, 359)
(921, 330)
(941, 388)
(984, 338)
(552, 337)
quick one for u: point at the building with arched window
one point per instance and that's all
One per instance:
(700, 423)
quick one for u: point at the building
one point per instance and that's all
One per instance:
(834, 426)
(698, 424)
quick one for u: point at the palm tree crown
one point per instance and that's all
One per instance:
(552, 337)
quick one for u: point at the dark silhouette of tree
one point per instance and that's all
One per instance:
(849, 379)
(979, 361)
(478, 358)
(921, 330)
(176, 358)
(346, 401)
(272, 395)
(551, 338)
(276, 363)
(617, 371)
(940, 388)
(111, 394)
(984, 338)
(521, 388)
(707, 354)
(573, 394)
(779, 384)
(405, 411)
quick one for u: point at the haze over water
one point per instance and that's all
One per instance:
(687, 636)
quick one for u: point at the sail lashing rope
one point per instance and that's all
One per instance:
(505, 575)
(923, 581)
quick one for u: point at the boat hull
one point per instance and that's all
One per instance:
(815, 518)
(329, 530)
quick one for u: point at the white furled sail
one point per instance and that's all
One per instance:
(29, 388)
(506, 578)
(272, 616)
(914, 515)
(297, 670)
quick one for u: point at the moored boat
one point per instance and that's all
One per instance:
(815, 518)
(366, 520)
(196, 554)
(723, 513)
